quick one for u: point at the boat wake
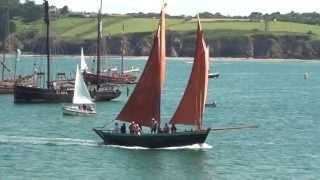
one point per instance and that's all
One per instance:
(47, 141)
(189, 147)
(84, 142)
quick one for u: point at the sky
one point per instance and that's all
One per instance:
(191, 7)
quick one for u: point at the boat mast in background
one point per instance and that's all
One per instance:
(47, 21)
(123, 48)
(99, 37)
(6, 38)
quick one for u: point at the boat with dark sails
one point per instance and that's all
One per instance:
(143, 106)
(57, 92)
(109, 75)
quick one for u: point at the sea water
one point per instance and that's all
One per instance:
(38, 142)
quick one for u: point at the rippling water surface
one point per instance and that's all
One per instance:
(37, 142)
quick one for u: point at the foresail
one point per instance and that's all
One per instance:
(192, 104)
(144, 102)
(81, 94)
(83, 64)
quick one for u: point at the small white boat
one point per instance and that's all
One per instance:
(82, 103)
(213, 75)
(79, 110)
(212, 104)
(131, 70)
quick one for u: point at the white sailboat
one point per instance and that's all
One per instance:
(82, 103)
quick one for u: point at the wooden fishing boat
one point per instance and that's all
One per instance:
(82, 104)
(143, 106)
(52, 93)
(154, 140)
(6, 86)
(109, 75)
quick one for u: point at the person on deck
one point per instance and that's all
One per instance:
(136, 129)
(139, 127)
(166, 128)
(173, 128)
(116, 128)
(131, 126)
(123, 129)
(154, 126)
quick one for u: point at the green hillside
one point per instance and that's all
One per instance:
(74, 28)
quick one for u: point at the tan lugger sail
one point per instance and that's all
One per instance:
(144, 102)
(192, 105)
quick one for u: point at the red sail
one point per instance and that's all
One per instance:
(144, 102)
(192, 105)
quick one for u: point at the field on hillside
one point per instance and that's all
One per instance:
(72, 28)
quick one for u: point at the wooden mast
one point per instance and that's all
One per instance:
(99, 28)
(5, 39)
(162, 42)
(47, 21)
(122, 49)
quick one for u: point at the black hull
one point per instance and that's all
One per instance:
(153, 140)
(23, 94)
(106, 95)
(213, 75)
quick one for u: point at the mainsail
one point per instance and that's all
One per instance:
(81, 94)
(144, 102)
(83, 64)
(192, 104)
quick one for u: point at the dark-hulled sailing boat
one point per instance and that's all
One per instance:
(54, 92)
(143, 105)
(113, 77)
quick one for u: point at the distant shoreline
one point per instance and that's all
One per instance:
(218, 59)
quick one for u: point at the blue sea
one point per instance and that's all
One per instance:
(38, 142)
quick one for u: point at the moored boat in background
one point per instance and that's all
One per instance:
(110, 75)
(56, 91)
(213, 75)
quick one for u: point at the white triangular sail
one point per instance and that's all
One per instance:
(81, 94)
(83, 65)
(18, 54)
